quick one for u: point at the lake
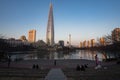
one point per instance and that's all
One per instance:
(78, 54)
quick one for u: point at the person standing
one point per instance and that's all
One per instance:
(9, 61)
(96, 60)
(55, 62)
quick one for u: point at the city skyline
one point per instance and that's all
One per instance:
(83, 19)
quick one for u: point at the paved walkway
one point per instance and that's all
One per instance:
(55, 74)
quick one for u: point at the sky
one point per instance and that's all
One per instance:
(83, 19)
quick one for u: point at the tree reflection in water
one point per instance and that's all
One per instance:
(79, 54)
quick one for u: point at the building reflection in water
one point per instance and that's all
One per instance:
(79, 54)
(87, 54)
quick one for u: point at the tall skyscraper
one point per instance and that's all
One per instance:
(50, 28)
(32, 36)
(69, 40)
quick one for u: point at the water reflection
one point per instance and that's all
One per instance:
(79, 54)
(86, 54)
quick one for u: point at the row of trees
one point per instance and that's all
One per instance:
(4, 46)
(110, 45)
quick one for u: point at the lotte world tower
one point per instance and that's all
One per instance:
(50, 28)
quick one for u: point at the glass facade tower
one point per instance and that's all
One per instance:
(50, 28)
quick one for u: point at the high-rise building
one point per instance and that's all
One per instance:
(116, 35)
(102, 41)
(88, 44)
(81, 45)
(92, 42)
(32, 36)
(84, 43)
(50, 28)
(69, 40)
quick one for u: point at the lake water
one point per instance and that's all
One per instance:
(79, 54)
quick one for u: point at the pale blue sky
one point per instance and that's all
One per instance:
(83, 19)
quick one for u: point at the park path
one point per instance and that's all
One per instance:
(55, 74)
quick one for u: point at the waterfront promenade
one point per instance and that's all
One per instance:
(23, 70)
(45, 64)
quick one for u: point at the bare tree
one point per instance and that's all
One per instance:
(108, 39)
